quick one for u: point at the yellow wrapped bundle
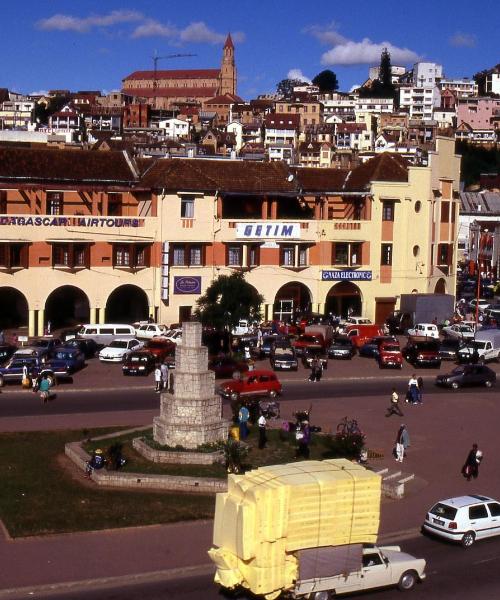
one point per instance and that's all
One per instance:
(271, 512)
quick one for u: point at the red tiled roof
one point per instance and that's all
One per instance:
(279, 121)
(174, 74)
(222, 175)
(229, 42)
(385, 167)
(310, 179)
(223, 99)
(351, 127)
(51, 165)
(176, 92)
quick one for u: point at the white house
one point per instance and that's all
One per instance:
(174, 128)
(419, 101)
(236, 128)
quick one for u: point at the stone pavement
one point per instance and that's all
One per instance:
(441, 430)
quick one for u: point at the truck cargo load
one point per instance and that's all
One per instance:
(325, 330)
(270, 513)
(421, 308)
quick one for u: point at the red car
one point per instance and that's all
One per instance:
(226, 366)
(308, 341)
(160, 347)
(390, 355)
(252, 384)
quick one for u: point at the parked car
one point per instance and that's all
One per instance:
(252, 384)
(422, 354)
(173, 335)
(87, 347)
(284, 359)
(464, 519)
(225, 366)
(342, 347)
(44, 346)
(12, 371)
(424, 330)
(118, 350)
(104, 333)
(146, 331)
(307, 341)
(485, 347)
(389, 354)
(360, 334)
(67, 359)
(6, 351)
(370, 349)
(266, 345)
(449, 347)
(467, 375)
(481, 303)
(459, 331)
(160, 347)
(140, 362)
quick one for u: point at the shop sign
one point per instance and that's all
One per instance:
(346, 275)
(187, 285)
(276, 231)
(53, 221)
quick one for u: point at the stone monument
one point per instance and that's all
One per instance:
(192, 414)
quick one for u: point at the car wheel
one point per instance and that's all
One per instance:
(488, 383)
(454, 386)
(273, 394)
(468, 539)
(324, 595)
(407, 581)
(481, 360)
(235, 396)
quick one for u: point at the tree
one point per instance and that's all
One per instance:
(285, 87)
(227, 300)
(383, 86)
(385, 70)
(326, 81)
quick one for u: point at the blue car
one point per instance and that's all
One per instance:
(370, 349)
(67, 359)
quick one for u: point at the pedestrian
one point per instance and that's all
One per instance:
(402, 443)
(246, 353)
(157, 376)
(44, 388)
(413, 389)
(262, 431)
(316, 369)
(471, 467)
(2, 337)
(96, 462)
(394, 408)
(164, 375)
(420, 389)
(49, 327)
(243, 416)
(303, 438)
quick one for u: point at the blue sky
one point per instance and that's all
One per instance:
(94, 44)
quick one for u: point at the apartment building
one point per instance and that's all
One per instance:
(99, 237)
(419, 101)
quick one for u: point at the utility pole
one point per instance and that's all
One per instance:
(156, 58)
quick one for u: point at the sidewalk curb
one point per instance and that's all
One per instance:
(158, 576)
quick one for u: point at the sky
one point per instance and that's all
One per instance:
(93, 45)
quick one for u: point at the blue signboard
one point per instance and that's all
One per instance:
(187, 285)
(346, 275)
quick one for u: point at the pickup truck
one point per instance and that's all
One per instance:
(12, 371)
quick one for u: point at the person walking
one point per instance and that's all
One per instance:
(316, 369)
(44, 388)
(243, 416)
(164, 375)
(402, 443)
(413, 389)
(262, 431)
(157, 376)
(471, 467)
(420, 390)
(394, 408)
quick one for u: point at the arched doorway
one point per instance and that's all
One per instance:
(292, 299)
(344, 299)
(13, 308)
(66, 306)
(126, 304)
(440, 287)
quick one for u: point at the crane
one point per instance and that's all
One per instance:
(156, 58)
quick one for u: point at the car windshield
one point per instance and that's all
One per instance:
(118, 344)
(342, 342)
(309, 338)
(138, 358)
(391, 348)
(156, 344)
(285, 356)
(444, 511)
(427, 347)
(458, 371)
(40, 343)
(479, 345)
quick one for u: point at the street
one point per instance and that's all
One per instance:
(452, 574)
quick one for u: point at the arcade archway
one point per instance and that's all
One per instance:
(13, 308)
(292, 299)
(126, 304)
(440, 286)
(344, 299)
(67, 305)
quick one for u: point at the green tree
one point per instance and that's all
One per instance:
(285, 87)
(385, 70)
(326, 81)
(229, 299)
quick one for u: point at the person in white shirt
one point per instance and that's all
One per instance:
(262, 431)
(157, 379)
(413, 389)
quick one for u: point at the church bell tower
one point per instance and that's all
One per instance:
(228, 68)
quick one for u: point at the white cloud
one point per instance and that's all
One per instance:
(326, 34)
(60, 22)
(152, 28)
(366, 52)
(39, 93)
(463, 40)
(199, 33)
(297, 74)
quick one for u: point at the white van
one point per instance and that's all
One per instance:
(424, 330)
(104, 334)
